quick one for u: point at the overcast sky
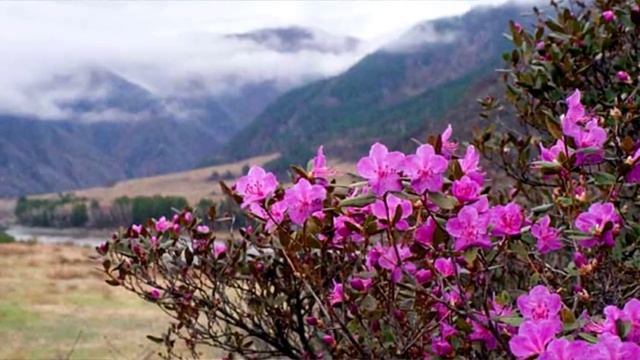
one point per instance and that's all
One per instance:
(165, 45)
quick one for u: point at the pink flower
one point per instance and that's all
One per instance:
(532, 338)
(600, 221)
(563, 349)
(465, 189)
(219, 248)
(479, 332)
(623, 76)
(274, 217)
(320, 170)
(634, 175)
(584, 130)
(424, 233)
(444, 266)
(469, 229)
(441, 347)
(470, 165)
(540, 304)
(257, 185)
(507, 219)
(136, 229)
(155, 294)
(632, 312)
(163, 224)
(425, 169)
(610, 347)
(448, 147)
(329, 340)
(547, 236)
(342, 231)
(188, 217)
(389, 212)
(361, 284)
(381, 168)
(202, 229)
(303, 199)
(423, 276)
(337, 294)
(553, 152)
(395, 260)
(608, 15)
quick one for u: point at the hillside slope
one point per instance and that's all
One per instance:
(409, 88)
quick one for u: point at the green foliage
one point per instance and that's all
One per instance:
(142, 208)
(64, 211)
(6, 238)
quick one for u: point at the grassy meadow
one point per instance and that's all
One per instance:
(53, 296)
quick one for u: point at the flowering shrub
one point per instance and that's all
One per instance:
(418, 257)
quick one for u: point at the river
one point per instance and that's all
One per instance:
(75, 236)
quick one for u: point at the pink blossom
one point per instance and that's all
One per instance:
(319, 169)
(342, 231)
(163, 224)
(465, 189)
(219, 248)
(202, 229)
(303, 199)
(274, 217)
(612, 315)
(381, 168)
(632, 312)
(188, 217)
(600, 221)
(470, 165)
(608, 15)
(610, 347)
(257, 185)
(553, 152)
(388, 210)
(584, 130)
(480, 332)
(532, 338)
(507, 219)
(329, 340)
(155, 294)
(563, 349)
(136, 229)
(337, 294)
(448, 147)
(424, 232)
(469, 229)
(539, 304)
(547, 236)
(623, 76)
(441, 347)
(634, 175)
(395, 260)
(425, 169)
(445, 267)
(154, 242)
(361, 284)
(423, 276)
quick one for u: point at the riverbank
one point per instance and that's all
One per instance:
(68, 236)
(54, 296)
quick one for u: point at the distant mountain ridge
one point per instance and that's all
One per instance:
(411, 87)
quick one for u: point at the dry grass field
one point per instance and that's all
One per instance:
(53, 297)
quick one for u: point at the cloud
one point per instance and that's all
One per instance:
(178, 48)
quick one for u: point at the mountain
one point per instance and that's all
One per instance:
(415, 85)
(295, 39)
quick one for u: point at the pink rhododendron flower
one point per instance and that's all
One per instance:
(342, 231)
(507, 219)
(579, 259)
(337, 294)
(632, 312)
(448, 147)
(623, 76)
(329, 340)
(303, 199)
(547, 236)
(470, 165)
(553, 152)
(563, 349)
(634, 175)
(274, 217)
(136, 229)
(389, 211)
(219, 248)
(465, 189)
(425, 169)
(600, 221)
(202, 229)
(424, 232)
(539, 304)
(445, 267)
(163, 224)
(381, 168)
(479, 332)
(423, 276)
(612, 315)
(188, 217)
(584, 130)
(319, 169)
(532, 338)
(361, 284)
(441, 346)
(155, 294)
(469, 229)
(395, 260)
(257, 185)
(608, 15)
(610, 347)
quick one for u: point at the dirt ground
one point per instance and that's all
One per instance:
(53, 296)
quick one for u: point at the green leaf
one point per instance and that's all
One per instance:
(603, 178)
(444, 202)
(358, 201)
(554, 128)
(590, 338)
(510, 320)
(542, 208)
